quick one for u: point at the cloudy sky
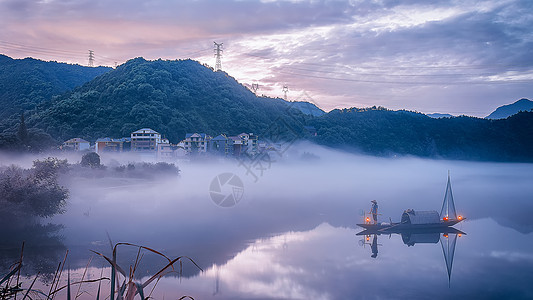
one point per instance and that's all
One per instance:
(458, 57)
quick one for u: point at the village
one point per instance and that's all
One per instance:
(150, 143)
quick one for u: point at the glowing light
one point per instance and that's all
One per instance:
(459, 218)
(445, 219)
(367, 219)
(460, 235)
(445, 235)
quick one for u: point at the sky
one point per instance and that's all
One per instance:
(458, 57)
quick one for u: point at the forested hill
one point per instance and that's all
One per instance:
(24, 83)
(171, 97)
(384, 132)
(176, 97)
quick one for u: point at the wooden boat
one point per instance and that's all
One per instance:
(420, 220)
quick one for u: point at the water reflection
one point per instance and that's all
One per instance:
(446, 236)
(43, 247)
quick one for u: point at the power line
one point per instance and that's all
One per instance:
(196, 52)
(285, 91)
(411, 82)
(218, 53)
(255, 87)
(40, 49)
(91, 58)
(421, 67)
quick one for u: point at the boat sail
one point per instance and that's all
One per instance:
(448, 206)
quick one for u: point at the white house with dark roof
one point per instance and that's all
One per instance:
(76, 144)
(146, 140)
(196, 142)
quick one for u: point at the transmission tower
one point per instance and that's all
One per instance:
(285, 91)
(91, 58)
(218, 54)
(255, 87)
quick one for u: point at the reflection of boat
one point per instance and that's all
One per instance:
(423, 227)
(412, 219)
(447, 236)
(412, 231)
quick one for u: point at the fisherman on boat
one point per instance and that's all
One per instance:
(374, 211)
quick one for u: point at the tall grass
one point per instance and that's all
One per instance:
(123, 285)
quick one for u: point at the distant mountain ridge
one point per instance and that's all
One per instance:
(24, 83)
(439, 115)
(171, 97)
(506, 111)
(181, 96)
(383, 132)
(307, 108)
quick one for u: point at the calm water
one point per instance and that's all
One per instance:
(293, 235)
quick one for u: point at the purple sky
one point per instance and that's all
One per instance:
(458, 57)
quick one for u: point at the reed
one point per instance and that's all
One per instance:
(124, 286)
(127, 285)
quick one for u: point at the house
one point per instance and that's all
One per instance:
(243, 143)
(112, 145)
(235, 145)
(76, 144)
(219, 145)
(167, 151)
(250, 142)
(196, 143)
(146, 140)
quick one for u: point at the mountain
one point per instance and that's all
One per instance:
(505, 111)
(307, 108)
(384, 132)
(24, 83)
(176, 97)
(171, 97)
(439, 115)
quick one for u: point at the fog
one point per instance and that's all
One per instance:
(306, 190)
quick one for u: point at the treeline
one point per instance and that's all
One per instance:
(177, 97)
(383, 132)
(25, 83)
(171, 97)
(27, 194)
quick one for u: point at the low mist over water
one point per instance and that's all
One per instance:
(290, 232)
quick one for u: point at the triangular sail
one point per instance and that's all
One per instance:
(448, 242)
(448, 206)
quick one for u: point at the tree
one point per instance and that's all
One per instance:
(31, 193)
(22, 132)
(91, 159)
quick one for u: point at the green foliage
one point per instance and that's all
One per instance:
(25, 83)
(32, 193)
(22, 132)
(176, 97)
(171, 97)
(383, 132)
(36, 141)
(91, 159)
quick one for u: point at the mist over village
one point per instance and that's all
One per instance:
(266, 149)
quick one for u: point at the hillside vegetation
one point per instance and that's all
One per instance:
(181, 96)
(24, 83)
(383, 132)
(171, 97)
